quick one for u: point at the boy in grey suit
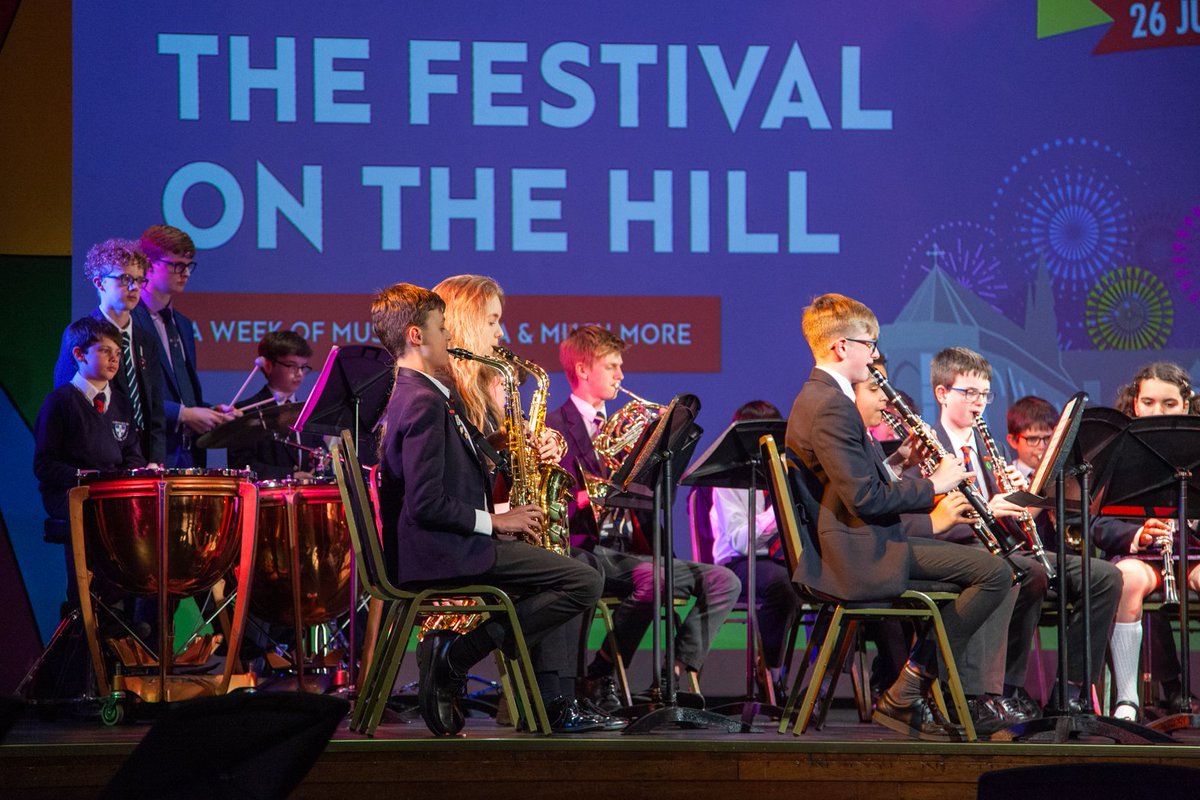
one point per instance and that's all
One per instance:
(863, 550)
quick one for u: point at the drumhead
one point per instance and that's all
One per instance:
(92, 476)
(294, 483)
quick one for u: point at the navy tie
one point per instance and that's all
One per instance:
(187, 395)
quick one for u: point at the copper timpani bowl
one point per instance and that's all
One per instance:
(322, 558)
(122, 521)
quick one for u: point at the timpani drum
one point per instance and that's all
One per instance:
(200, 537)
(303, 555)
(166, 534)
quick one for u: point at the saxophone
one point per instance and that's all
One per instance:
(548, 486)
(1005, 484)
(533, 483)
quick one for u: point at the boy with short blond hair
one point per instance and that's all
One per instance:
(862, 550)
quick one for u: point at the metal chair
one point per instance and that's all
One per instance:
(403, 607)
(843, 617)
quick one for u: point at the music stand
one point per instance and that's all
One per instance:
(351, 393)
(733, 462)
(660, 455)
(1159, 461)
(1064, 457)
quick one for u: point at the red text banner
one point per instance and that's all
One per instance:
(665, 334)
(1146, 25)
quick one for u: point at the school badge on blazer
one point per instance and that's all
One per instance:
(120, 430)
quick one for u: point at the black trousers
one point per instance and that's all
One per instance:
(778, 603)
(984, 582)
(553, 595)
(1105, 595)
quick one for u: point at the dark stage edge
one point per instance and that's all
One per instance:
(845, 760)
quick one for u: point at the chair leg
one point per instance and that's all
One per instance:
(371, 632)
(860, 677)
(832, 637)
(849, 636)
(369, 678)
(610, 641)
(956, 690)
(539, 719)
(789, 709)
(389, 667)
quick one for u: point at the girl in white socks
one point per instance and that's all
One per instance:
(1157, 389)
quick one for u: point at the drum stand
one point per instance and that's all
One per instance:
(165, 686)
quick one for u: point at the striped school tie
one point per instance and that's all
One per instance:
(131, 379)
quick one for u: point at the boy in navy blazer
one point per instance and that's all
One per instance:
(439, 527)
(117, 270)
(171, 254)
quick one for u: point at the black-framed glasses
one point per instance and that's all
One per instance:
(971, 395)
(871, 343)
(303, 369)
(1034, 440)
(130, 282)
(179, 267)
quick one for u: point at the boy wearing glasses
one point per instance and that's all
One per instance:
(285, 356)
(863, 550)
(171, 256)
(997, 657)
(118, 272)
(1030, 423)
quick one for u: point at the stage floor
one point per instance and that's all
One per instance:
(847, 759)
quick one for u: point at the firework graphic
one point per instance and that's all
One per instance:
(1153, 237)
(1061, 204)
(1129, 309)
(1077, 220)
(969, 253)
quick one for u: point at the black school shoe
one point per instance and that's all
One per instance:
(566, 716)
(440, 687)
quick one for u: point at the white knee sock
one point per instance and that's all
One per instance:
(1126, 648)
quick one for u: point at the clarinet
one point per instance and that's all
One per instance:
(1005, 484)
(1170, 593)
(984, 523)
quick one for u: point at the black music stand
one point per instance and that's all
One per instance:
(1076, 453)
(351, 393)
(1159, 461)
(734, 462)
(660, 455)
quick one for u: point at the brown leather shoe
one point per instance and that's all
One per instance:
(919, 720)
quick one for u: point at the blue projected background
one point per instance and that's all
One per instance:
(973, 182)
